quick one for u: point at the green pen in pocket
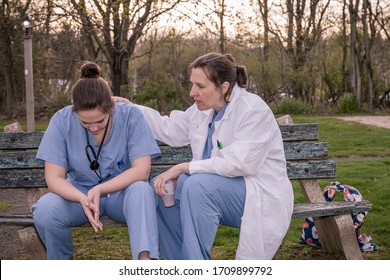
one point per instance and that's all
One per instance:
(219, 144)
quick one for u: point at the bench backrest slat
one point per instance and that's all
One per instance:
(31, 140)
(32, 178)
(169, 155)
(20, 140)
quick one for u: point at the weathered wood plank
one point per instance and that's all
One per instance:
(20, 140)
(305, 150)
(22, 178)
(19, 159)
(169, 155)
(299, 132)
(27, 220)
(292, 150)
(311, 169)
(173, 155)
(301, 210)
(31, 140)
(26, 158)
(32, 178)
(12, 220)
(322, 209)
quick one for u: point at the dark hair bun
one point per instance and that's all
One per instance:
(90, 70)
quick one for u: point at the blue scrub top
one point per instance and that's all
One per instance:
(209, 145)
(64, 144)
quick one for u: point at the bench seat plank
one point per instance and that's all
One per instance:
(301, 210)
(25, 220)
(323, 209)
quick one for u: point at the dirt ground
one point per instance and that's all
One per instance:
(11, 247)
(380, 121)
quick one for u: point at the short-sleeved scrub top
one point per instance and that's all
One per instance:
(64, 143)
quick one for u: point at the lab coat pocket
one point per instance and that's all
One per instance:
(197, 141)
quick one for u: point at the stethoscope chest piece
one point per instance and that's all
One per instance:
(94, 165)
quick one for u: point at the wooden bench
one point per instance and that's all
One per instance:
(306, 162)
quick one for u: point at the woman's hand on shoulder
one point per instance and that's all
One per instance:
(116, 99)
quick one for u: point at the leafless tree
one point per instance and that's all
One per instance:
(113, 28)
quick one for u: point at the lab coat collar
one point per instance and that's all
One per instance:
(234, 97)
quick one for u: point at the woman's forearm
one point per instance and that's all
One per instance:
(139, 171)
(64, 188)
(55, 176)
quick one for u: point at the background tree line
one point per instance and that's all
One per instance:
(303, 55)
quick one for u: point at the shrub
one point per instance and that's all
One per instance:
(289, 106)
(348, 104)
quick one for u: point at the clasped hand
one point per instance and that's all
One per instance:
(90, 204)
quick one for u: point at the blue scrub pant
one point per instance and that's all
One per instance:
(203, 201)
(135, 205)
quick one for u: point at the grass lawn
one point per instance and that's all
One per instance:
(345, 140)
(371, 178)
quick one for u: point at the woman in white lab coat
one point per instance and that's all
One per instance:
(237, 176)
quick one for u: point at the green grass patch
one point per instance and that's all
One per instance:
(349, 139)
(40, 125)
(110, 244)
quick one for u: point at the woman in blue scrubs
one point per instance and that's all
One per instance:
(97, 162)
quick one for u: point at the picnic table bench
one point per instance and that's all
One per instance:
(306, 162)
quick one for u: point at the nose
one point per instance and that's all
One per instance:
(94, 127)
(192, 92)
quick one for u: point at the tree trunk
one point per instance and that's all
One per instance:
(10, 95)
(222, 39)
(355, 76)
(345, 49)
(118, 74)
(367, 50)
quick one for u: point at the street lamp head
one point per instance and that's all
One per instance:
(26, 25)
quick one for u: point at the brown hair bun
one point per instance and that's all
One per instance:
(90, 70)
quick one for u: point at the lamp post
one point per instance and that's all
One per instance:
(28, 73)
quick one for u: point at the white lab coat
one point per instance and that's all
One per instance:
(252, 147)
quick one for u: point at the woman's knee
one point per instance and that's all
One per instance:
(48, 208)
(195, 186)
(138, 189)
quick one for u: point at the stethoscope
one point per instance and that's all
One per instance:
(94, 163)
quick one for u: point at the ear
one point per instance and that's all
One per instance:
(225, 87)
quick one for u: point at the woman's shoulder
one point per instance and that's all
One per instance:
(126, 108)
(63, 114)
(64, 111)
(126, 112)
